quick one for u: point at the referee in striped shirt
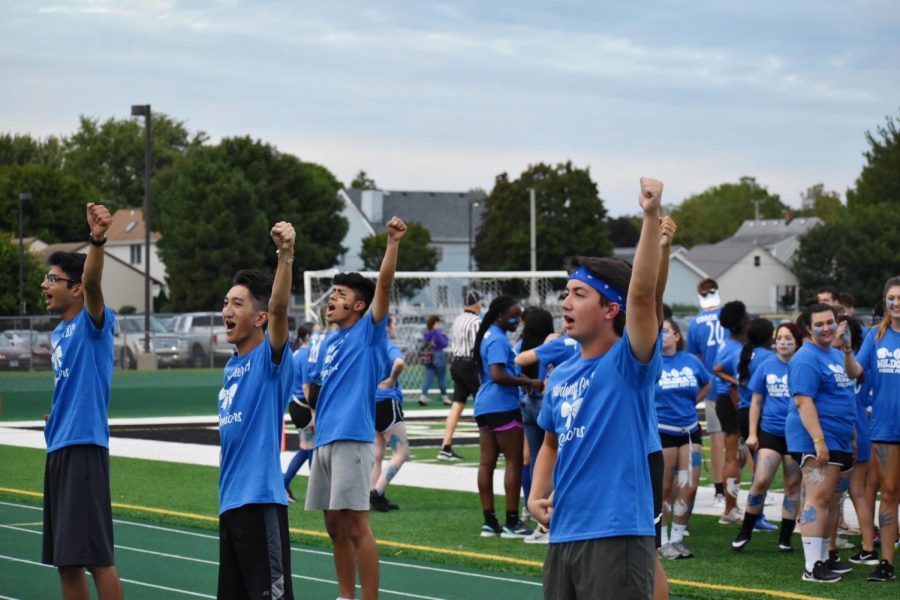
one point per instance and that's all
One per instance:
(466, 378)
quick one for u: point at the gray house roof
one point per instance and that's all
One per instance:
(767, 232)
(444, 214)
(715, 259)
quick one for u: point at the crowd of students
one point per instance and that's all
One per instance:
(598, 427)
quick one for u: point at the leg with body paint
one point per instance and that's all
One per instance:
(732, 472)
(379, 457)
(766, 465)
(687, 478)
(865, 512)
(889, 474)
(818, 490)
(791, 503)
(397, 440)
(834, 512)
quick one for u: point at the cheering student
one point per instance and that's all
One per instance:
(596, 413)
(880, 357)
(78, 531)
(254, 549)
(820, 431)
(352, 358)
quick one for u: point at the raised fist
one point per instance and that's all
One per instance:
(667, 230)
(283, 235)
(651, 194)
(395, 229)
(98, 219)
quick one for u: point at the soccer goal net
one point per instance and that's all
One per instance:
(416, 295)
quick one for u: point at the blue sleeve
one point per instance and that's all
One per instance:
(375, 332)
(702, 373)
(693, 345)
(545, 417)
(638, 374)
(865, 356)
(497, 351)
(803, 378)
(757, 383)
(109, 323)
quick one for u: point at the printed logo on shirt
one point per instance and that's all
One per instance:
(675, 379)
(56, 358)
(226, 398)
(330, 355)
(888, 362)
(840, 376)
(776, 386)
(570, 397)
(239, 371)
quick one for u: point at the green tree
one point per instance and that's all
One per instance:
(624, 232)
(213, 227)
(822, 203)
(363, 182)
(416, 254)
(879, 181)
(716, 213)
(569, 212)
(9, 278)
(20, 150)
(56, 211)
(110, 155)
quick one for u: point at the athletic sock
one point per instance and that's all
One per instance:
(787, 529)
(446, 447)
(812, 551)
(677, 533)
(720, 489)
(748, 524)
(512, 517)
(295, 464)
(663, 536)
(490, 517)
(526, 481)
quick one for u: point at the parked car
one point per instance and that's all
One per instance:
(13, 357)
(204, 333)
(170, 349)
(35, 343)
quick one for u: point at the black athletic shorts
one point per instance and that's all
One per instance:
(301, 414)
(657, 466)
(727, 414)
(501, 421)
(313, 395)
(772, 442)
(387, 414)
(255, 553)
(466, 379)
(675, 440)
(743, 418)
(78, 530)
(844, 460)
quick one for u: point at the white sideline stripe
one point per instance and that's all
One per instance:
(302, 550)
(8, 598)
(132, 581)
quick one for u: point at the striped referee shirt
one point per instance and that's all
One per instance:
(462, 335)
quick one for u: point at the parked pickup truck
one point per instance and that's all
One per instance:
(171, 349)
(204, 333)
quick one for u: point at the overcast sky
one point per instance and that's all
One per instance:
(444, 96)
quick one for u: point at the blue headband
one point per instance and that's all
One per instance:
(606, 290)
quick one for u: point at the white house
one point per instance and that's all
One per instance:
(125, 241)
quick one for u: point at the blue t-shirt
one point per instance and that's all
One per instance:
(820, 374)
(353, 358)
(314, 366)
(493, 397)
(391, 393)
(255, 391)
(881, 361)
(863, 423)
(770, 381)
(727, 356)
(705, 335)
(82, 358)
(759, 356)
(555, 352)
(680, 379)
(597, 408)
(301, 360)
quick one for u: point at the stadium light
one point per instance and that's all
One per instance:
(23, 197)
(143, 110)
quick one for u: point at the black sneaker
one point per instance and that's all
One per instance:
(491, 529)
(517, 530)
(836, 565)
(864, 557)
(448, 454)
(389, 504)
(290, 494)
(821, 574)
(782, 547)
(738, 543)
(883, 572)
(378, 502)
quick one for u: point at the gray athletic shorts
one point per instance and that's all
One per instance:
(616, 568)
(712, 419)
(339, 476)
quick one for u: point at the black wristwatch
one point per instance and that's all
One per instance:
(96, 242)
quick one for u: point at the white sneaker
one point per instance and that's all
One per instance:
(669, 552)
(526, 516)
(770, 500)
(735, 516)
(540, 536)
(843, 544)
(719, 501)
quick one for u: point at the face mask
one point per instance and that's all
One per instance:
(820, 330)
(710, 300)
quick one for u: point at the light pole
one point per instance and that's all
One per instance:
(472, 204)
(23, 197)
(138, 110)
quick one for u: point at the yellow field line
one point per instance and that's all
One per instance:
(446, 551)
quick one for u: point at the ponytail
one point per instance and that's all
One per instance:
(498, 305)
(759, 334)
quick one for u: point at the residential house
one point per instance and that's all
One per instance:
(125, 240)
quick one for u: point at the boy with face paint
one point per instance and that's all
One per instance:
(705, 336)
(352, 358)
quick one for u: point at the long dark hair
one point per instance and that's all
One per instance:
(759, 334)
(498, 305)
(538, 325)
